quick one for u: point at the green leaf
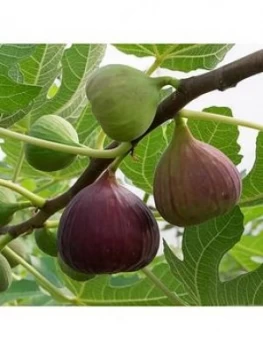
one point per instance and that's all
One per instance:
(180, 57)
(140, 168)
(20, 290)
(248, 250)
(42, 68)
(11, 54)
(14, 96)
(222, 136)
(46, 265)
(101, 290)
(203, 249)
(78, 62)
(252, 213)
(252, 193)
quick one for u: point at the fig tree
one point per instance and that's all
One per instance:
(56, 129)
(194, 181)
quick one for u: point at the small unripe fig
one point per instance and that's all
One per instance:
(73, 274)
(46, 241)
(107, 229)
(56, 129)
(9, 205)
(123, 100)
(18, 246)
(5, 274)
(194, 181)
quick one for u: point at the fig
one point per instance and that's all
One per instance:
(56, 129)
(9, 205)
(46, 241)
(18, 246)
(124, 100)
(107, 229)
(194, 181)
(5, 274)
(73, 274)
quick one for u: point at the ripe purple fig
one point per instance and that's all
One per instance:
(107, 229)
(194, 181)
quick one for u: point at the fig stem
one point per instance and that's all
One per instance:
(48, 286)
(205, 116)
(156, 64)
(51, 223)
(116, 163)
(4, 240)
(33, 198)
(163, 81)
(170, 295)
(85, 151)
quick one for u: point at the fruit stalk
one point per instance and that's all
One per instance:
(84, 151)
(33, 198)
(205, 116)
(54, 292)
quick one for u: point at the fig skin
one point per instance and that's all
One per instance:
(19, 247)
(194, 181)
(124, 100)
(46, 240)
(73, 274)
(5, 274)
(56, 129)
(107, 229)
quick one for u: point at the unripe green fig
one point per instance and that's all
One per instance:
(56, 129)
(124, 100)
(46, 241)
(5, 274)
(194, 181)
(73, 274)
(19, 247)
(9, 205)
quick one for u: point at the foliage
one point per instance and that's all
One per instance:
(222, 258)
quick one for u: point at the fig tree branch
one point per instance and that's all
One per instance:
(189, 89)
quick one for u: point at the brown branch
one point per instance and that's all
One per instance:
(219, 79)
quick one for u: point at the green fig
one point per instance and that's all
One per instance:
(18, 246)
(5, 274)
(194, 181)
(124, 100)
(9, 205)
(73, 274)
(46, 241)
(56, 129)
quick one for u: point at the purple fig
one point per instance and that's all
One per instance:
(194, 181)
(107, 229)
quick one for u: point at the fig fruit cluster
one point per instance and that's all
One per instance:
(194, 181)
(56, 129)
(124, 100)
(107, 229)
